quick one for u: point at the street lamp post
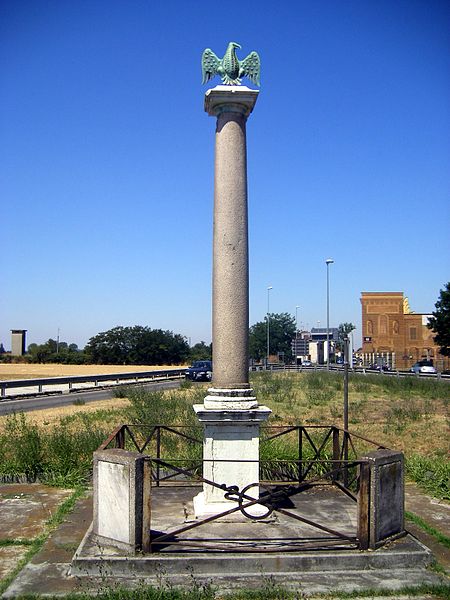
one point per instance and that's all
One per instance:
(296, 333)
(268, 324)
(328, 262)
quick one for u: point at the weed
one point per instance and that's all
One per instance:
(186, 384)
(122, 391)
(431, 473)
(399, 415)
(21, 451)
(57, 456)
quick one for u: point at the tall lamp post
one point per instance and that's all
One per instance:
(296, 332)
(328, 262)
(268, 324)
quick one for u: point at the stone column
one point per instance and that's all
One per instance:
(230, 322)
(230, 413)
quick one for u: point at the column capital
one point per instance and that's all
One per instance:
(235, 99)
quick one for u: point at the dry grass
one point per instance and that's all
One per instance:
(34, 371)
(53, 416)
(410, 421)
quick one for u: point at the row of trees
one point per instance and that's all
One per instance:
(122, 346)
(137, 346)
(55, 352)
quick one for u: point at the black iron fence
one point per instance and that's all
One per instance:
(293, 459)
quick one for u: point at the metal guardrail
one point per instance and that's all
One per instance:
(95, 379)
(360, 370)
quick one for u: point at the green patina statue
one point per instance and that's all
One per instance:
(230, 68)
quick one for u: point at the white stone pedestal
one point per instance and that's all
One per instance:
(231, 456)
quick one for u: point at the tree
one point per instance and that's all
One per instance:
(343, 330)
(137, 346)
(282, 331)
(439, 323)
(201, 351)
(52, 352)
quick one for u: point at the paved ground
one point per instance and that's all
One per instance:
(24, 509)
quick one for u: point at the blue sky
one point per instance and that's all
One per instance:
(106, 160)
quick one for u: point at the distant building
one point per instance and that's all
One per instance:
(311, 345)
(393, 334)
(300, 346)
(318, 344)
(319, 334)
(18, 347)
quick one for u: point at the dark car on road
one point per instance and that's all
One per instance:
(201, 370)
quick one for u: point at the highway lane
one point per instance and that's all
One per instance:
(28, 404)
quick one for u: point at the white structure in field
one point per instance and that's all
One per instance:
(230, 413)
(18, 344)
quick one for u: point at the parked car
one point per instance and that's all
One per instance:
(382, 367)
(423, 366)
(200, 370)
(306, 363)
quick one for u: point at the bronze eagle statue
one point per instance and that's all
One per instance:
(230, 68)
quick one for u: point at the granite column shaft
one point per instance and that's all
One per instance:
(230, 254)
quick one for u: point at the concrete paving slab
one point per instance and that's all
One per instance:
(435, 512)
(10, 557)
(52, 579)
(26, 507)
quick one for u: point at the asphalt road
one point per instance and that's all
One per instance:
(28, 404)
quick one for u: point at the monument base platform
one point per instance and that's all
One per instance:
(294, 557)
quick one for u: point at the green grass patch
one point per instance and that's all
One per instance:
(440, 537)
(15, 542)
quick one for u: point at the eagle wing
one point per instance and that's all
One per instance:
(210, 65)
(251, 67)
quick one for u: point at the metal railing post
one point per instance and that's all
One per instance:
(336, 452)
(158, 453)
(120, 438)
(300, 453)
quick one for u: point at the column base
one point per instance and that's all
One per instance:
(230, 399)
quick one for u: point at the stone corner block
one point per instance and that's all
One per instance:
(387, 495)
(121, 499)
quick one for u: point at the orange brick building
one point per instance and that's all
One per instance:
(392, 332)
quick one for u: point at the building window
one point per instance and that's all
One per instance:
(413, 333)
(383, 324)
